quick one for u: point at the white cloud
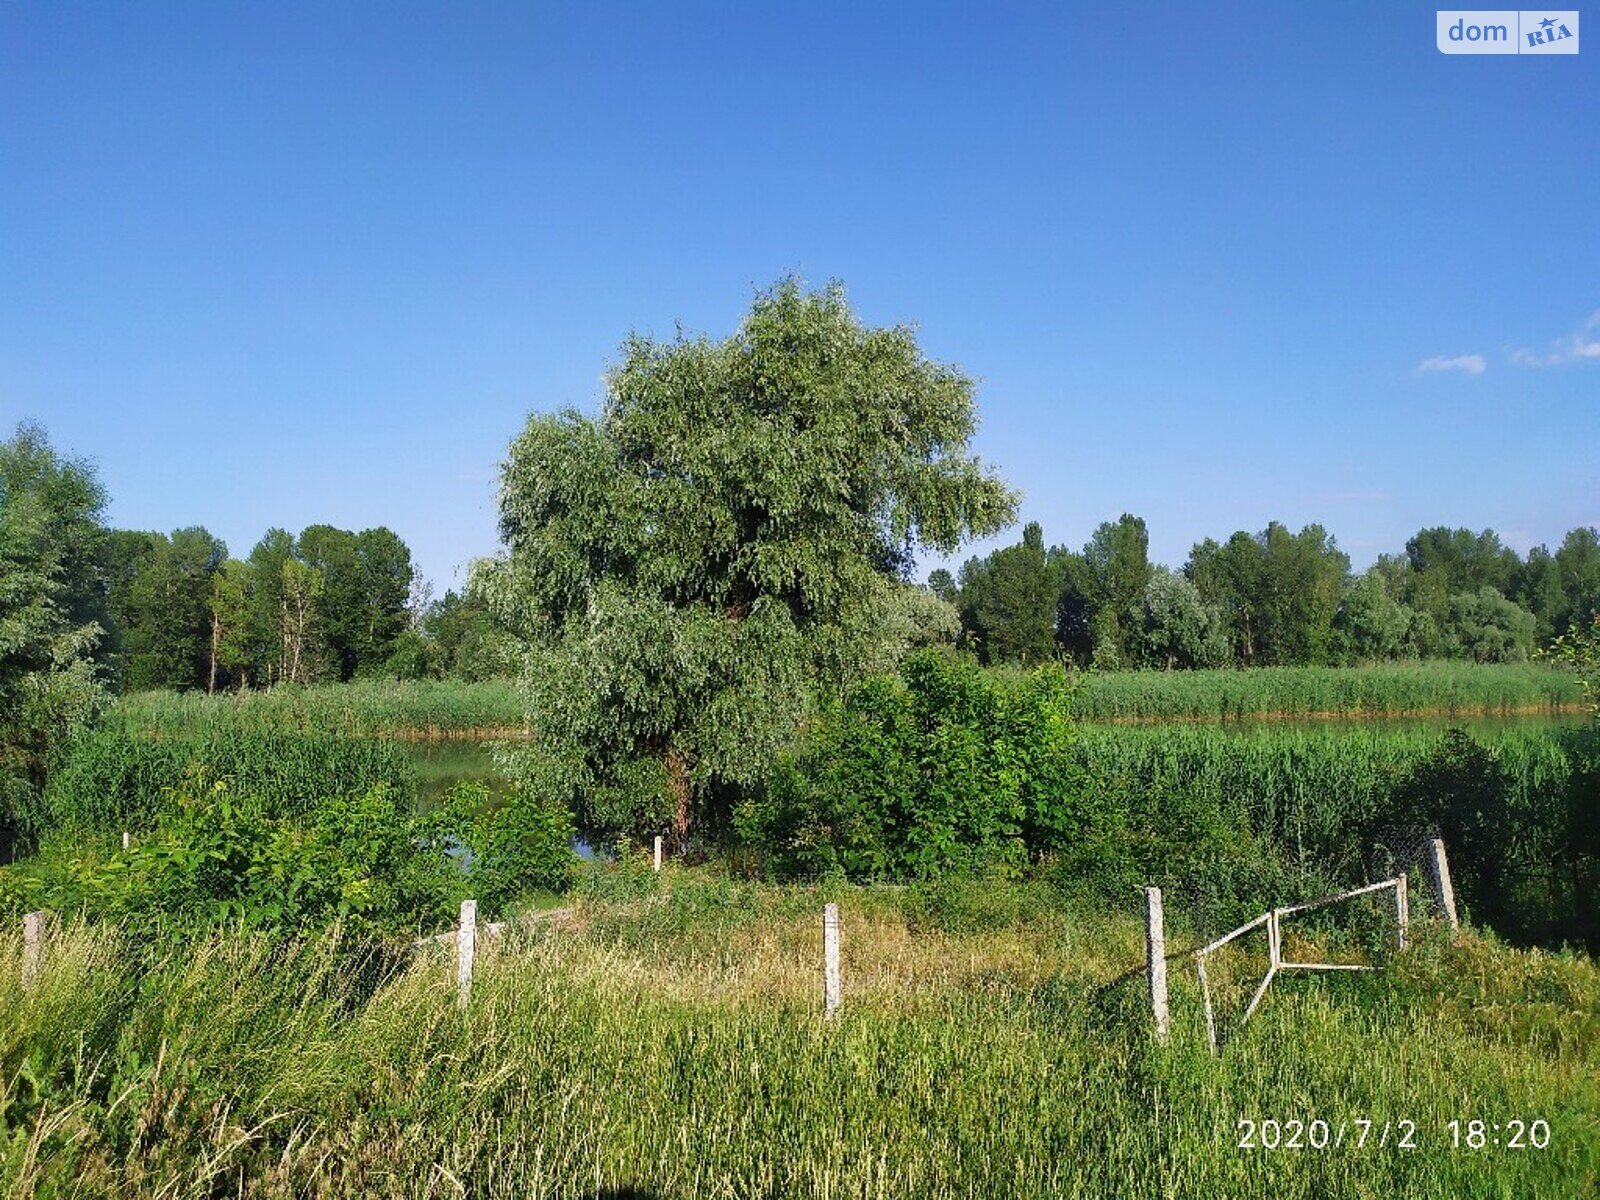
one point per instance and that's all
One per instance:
(1472, 364)
(1580, 345)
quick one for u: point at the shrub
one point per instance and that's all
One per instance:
(521, 846)
(215, 854)
(943, 767)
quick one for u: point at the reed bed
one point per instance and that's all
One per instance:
(672, 1046)
(1234, 816)
(120, 778)
(447, 708)
(1395, 689)
(363, 708)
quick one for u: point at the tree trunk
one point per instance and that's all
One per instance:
(216, 637)
(678, 782)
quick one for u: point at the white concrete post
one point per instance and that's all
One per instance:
(831, 985)
(126, 841)
(1205, 995)
(32, 946)
(466, 946)
(1155, 942)
(1441, 882)
(1402, 911)
(658, 852)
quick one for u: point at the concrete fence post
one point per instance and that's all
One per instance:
(466, 947)
(1402, 911)
(1441, 881)
(831, 983)
(127, 841)
(1155, 941)
(658, 852)
(32, 946)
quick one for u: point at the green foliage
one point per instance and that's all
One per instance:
(1579, 651)
(115, 778)
(1486, 627)
(1229, 820)
(1419, 688)
(1372, 625)
(213, 854)
(365, 585)
(953, 769)
(160, 594)
(1175, 627)
(51, 611)
(361, 708)
(1008, 602)
(1279, 592)
(945, 767)
(519, 846)
(467, 640)
(727, 538)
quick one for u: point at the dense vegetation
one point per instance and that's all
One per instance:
(725, 542)
(1390, 689)
(446, 708)
(705, 591)
(279, 830)
(326, 605)
(1273, 598)
(363, 708)
(950, 768)
(992, 1043)
(50, 612)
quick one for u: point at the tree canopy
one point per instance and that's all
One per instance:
(732, 532)
(51, 607)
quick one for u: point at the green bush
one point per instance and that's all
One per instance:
(370, 861)
(520, 846)
(944, 767)
(217, 855)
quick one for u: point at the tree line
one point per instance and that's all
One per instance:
(144, 609)
(1272, 598)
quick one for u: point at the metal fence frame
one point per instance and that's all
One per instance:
(1273, 920)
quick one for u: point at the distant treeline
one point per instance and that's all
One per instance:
(1273, 598)
(331, 604)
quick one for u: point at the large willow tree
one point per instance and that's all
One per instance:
(729, 538)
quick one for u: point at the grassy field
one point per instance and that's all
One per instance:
(439, 709)
(992, 1043)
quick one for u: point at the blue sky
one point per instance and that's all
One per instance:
(272, 264)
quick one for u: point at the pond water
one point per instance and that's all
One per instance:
(443, 764)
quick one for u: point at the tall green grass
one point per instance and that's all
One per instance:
(446, 708)
(115, 778)
(1444, 688)
(1240, 819)
(363, 708)
(673, 1048)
